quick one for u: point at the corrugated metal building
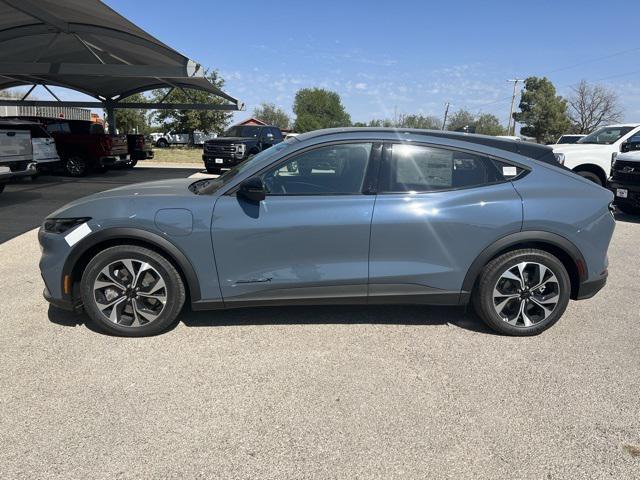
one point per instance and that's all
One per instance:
(68, 113)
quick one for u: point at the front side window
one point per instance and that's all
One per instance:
(415, 168)
(331, 170)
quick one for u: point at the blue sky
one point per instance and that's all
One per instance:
(409, 55)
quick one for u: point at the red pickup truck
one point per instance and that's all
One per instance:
(83, 145)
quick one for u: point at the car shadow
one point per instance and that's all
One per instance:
(625, 217)
(460, 317)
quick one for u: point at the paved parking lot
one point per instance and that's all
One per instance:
(327, 392)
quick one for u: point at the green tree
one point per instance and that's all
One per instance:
(359, 124)
(317, 108)
(488, 124)
(131, 120)
(207, 121)
(271, 114)
(376, 123)
(462, 120)
(419, 121)
(543, 113)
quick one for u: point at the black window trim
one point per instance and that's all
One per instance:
(386, 157)
(371, 176)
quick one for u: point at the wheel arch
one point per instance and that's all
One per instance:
(593, 168)
(552, 243)
(82, 253)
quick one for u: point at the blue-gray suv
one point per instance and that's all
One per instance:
(342, 216)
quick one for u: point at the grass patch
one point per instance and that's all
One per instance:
(177, 155)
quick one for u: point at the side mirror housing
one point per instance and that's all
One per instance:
(629, 146)
(252, 189)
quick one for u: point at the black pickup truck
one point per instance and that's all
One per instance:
(237, 144)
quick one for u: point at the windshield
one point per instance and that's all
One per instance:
(243, 131)
(210, 186)
(606, 135)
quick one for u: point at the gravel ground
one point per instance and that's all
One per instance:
(358, 392)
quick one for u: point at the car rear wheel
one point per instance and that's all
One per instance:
(131, 163)
(523, 292)
(132, 291)
(162, 143)
(75, 166)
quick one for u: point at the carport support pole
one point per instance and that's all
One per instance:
(111, 118)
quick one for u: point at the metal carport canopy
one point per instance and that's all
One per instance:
(86, 46)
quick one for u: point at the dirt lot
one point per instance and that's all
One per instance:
(327, 392)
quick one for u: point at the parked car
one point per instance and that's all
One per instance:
(83, 145)
(237, 144)
(591, 156)
(569, 138)
(45, 153)
(409, 216)
(139, 149)
(181, 138)
(16, 152)
(625, 177)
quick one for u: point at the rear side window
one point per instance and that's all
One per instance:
(416, 168)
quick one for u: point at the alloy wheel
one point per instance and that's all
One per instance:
(75, 166)
(526, 294)
(130, 293)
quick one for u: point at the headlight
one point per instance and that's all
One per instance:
(61, 225)
(241, 148)
(559, 157)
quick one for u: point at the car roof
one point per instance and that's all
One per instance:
(527, 149)
(12, 122)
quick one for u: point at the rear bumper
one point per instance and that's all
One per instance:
(142, 155)
(589, 289)
(32, 169)
(114, 160)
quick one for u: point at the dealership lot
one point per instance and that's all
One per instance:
(322, 392)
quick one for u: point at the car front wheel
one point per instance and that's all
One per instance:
(523, 292)
(132, 291)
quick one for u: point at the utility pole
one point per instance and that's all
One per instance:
(446, 113)
(515, 82)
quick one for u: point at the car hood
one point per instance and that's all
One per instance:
(629, 156)
(178, 187)
(572, 148)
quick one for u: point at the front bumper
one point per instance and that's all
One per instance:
(220, 160)
(5, 174)
(633, 193)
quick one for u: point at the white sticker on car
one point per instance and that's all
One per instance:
(621, 192)
(509, 171)
(78, 234)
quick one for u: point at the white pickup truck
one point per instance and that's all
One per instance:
(163, 140)
(591, 156)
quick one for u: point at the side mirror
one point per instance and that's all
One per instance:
(252, 189)
(270, 136)
(629, 146)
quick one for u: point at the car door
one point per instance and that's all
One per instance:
(308, 240)
(436, 210)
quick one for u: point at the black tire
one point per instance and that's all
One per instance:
(75, 166)
(174, 291)
(162, 143)
(628, 209)
(483, 299)
(214, 170)
(131, 163)
(592, 177)
(2, 187)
